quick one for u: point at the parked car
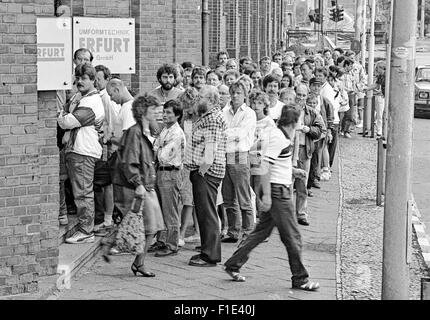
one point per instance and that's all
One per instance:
(422, 91)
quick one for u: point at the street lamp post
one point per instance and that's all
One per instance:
(370, 67)
(398, 204)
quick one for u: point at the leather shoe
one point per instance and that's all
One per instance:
(201, 263)
(165, 252)
(229, 240)
(316, 184)
(156, 247)
(195, 257)
(310, 194)
(303, 221)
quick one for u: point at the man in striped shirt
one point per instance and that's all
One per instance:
(275, 191)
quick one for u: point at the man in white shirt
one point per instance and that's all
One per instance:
(169, 148)
(271, 86)
(274, 187)
(84, 122)
(241, 123)
(119, 94)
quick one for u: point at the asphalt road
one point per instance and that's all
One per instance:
(421, 152)
(421, 169)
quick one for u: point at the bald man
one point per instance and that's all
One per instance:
(120, 95)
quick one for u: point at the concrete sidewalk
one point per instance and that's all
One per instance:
(267, 272)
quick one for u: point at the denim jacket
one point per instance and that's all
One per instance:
(135, 160)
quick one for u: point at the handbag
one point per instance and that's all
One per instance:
(130, 236)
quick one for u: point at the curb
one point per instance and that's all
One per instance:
(339, 293)
(420, 230)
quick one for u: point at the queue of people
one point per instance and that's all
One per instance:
(228, 152)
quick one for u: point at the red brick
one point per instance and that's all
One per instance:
(26, 18)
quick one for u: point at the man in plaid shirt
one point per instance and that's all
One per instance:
(205, 158)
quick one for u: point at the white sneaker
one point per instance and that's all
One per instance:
(325, 175)
(193, 238)
(115, 252)
(359, 125)
(181, 242)
(80, 237)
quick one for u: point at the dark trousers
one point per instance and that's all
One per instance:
(205, 189)
(81, 173)
(315, 169)
(349, 117)
(333, 145)
(281, 215)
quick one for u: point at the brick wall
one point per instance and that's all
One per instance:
(188, 40)
(245, 27)
(217, 29)
(157, 40)
(28, 155)
(263, 27)
(232, 28)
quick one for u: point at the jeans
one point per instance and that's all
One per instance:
(81, 173)
(168, 183)
(103, 200)
(303, 162)
(236, 194)
(281, 215)
(204, 193)
(62, 178)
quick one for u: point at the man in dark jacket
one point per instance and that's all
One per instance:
(309, 129)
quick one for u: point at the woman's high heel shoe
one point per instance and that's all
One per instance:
(137, 269)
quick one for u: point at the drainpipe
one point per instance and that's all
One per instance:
(205, 33)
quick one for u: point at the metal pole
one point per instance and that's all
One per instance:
(335, 34)
(398, 204)
(422, 26)
(321, 43)
(364, 35)
(205, 33)
(370, 67)
(358, 19)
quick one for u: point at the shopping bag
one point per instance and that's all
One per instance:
(131, 231)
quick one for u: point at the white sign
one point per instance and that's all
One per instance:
(111, 41)
(54, 53)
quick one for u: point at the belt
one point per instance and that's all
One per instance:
(168, 168)
(302, 146)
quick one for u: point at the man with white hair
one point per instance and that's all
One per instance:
(205, 158)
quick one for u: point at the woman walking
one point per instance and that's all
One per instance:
(135, 173)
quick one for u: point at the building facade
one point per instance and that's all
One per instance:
(166, 31)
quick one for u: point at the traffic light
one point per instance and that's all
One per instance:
(312, 15)
(340, 14)
(317, 16)
(333, 14)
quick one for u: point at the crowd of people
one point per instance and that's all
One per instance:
(212, 155)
